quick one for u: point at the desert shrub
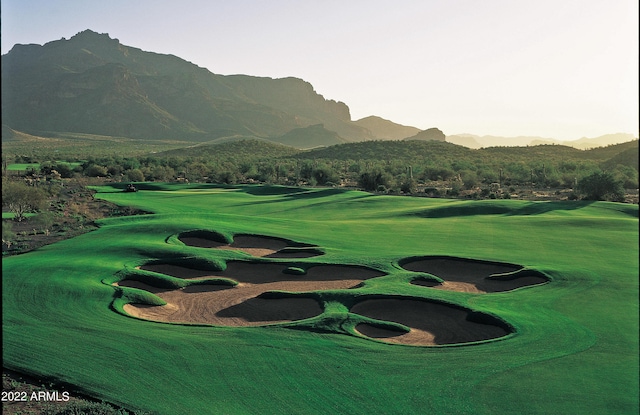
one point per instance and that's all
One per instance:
(43, 221)
(601, 186)
(64, 170)
(8, 236)
(323, 174)
(95, 170)
(438, 173)
(408, 186)
(469, 178)
(433, 191)
(134, 175)
(372, 180)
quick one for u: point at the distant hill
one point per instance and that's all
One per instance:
(398, 151)
(411, 153)
(475, 141)
(628, 157)
(93, 84)
(309, 137)
(587, 143)
(466, 140)
(386, 130)
(242, 149)
(431, 134)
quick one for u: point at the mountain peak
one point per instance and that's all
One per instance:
(92, 83)
(429, 135)
(93, 37)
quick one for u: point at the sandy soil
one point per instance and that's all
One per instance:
(259, 246)
(239, 306)
(431, 323)
(470, 276)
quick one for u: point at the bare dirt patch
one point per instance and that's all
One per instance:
(473, 276)
(244, 305)
(431, 323)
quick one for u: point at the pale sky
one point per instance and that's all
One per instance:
(563, 69)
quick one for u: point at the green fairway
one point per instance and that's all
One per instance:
(570, 346)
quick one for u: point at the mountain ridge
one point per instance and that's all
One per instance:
(93, 84)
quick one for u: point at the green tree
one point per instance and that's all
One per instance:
(135, 175)
(20, 198)
(95, 170)
(601, 186)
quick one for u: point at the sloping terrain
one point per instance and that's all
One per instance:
(567, 345)
(93, 84)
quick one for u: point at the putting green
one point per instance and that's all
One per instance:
(543, 320)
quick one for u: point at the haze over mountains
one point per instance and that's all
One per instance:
(93, 84)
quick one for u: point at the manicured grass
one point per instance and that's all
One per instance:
(23, 166)
(11, 215)
(575, 349)
(36, 166)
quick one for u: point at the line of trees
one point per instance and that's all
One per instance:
(449, 166)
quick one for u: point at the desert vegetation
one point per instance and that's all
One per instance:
(410, 167)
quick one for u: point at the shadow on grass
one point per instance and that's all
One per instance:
(314, 196)
(483, 208)
(170, 186)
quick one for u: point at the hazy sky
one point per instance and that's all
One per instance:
(561, 69)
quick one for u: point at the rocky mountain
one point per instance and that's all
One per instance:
(431, 134)
(92, 83)
(386, 130)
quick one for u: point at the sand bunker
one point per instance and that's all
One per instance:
(473, 276)
(273, 292)
(431, 323)
(244, 305)
(259, 246)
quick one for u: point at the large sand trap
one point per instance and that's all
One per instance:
(431, 323)
(239, 306)
(472, 276)
(259, 246)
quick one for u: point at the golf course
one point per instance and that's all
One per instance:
(256, 299)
